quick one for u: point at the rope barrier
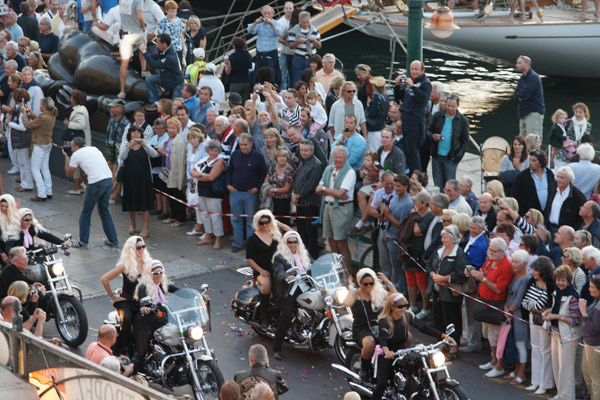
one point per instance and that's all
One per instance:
(491, 306)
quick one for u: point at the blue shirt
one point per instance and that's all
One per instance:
(16, 32)
(445, 144)
(356, 145)
(106, 5)
(399, 208)
(541, 187)
(266, 36)
(48, 43)
(199, 115)
(191, 104)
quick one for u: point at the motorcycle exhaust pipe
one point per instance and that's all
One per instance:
(363, 391)
(349, 374)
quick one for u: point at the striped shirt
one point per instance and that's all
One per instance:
(301, 50)
(535, 298)
(292, 117)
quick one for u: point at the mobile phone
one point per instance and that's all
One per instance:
(470, 268)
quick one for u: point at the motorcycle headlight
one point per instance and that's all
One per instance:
(195, 333)
(438, 359)
(57, 269)
(340, 295)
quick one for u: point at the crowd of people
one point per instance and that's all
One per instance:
(294, 137)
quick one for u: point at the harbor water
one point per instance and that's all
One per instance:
(485, 86)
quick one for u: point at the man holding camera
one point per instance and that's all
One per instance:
(15, 272)
(92, 162)
(98, 351)
(11, 306)
(267, 41)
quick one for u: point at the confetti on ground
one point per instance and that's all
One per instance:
(234, 330)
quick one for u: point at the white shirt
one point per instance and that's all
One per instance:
(318, 113)
(217, 87)
(348, 184)
(460, 205)
(472, 240)
(587, 175)
(92, 162)
(384, 155)
(337, 114)
(152, 16)
(185, 129)
(284, 25)
(557, 203)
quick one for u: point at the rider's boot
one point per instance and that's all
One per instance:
(365, 369)
(263, 308)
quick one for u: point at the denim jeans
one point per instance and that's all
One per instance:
(400, 277)
(97, 193)
(242, 203)
(152, 84)
(40, 156)
(443, 169)
(285, 74)
(85, 26)
(299, 64)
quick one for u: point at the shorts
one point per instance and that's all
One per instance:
(128, 41)
(490, 332)
(367, 189)
(336, 220)
(416, 278)
(358, 336)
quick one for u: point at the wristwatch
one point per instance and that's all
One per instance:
(484, 280)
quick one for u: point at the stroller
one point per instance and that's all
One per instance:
(492, 150)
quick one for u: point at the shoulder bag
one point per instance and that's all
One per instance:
(484, 313)
(373, 329)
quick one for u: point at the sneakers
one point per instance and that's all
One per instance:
(353, 232)
(110, 244)
(152, 107)
(79, 245)
(423, 314)
(540, 391)
(531, 388)
(12, 171)
(112, 201)
(235, 249)
(469, 349)
(76, 192)
(494, 373)
(194, 233)
(145, 73)
(121, 95)
(487, 366)
(413, 310)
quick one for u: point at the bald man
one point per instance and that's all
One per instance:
(414, 92)
(563, 238)
(7, 309)
(487, 211)
(98, 351)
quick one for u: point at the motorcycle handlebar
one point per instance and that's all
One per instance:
(421, 348)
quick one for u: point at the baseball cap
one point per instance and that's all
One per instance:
(117, 102)
(235, 98)
(199, 52)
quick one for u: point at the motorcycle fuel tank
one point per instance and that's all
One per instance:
(312, 300)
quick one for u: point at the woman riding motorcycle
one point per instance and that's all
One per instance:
(131, 266)
(290, 253)
(394, 332)
(366, 303)
(9, 222)
(152, 289)
(28, 230)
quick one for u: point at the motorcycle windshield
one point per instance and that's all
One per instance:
(329, 272)
(187, 309)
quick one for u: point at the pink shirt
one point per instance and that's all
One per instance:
(96, 352)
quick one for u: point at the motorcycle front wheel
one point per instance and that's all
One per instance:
(74, 328)
(452, 392)
(211, 380)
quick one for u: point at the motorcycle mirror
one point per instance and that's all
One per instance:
(293, 269)
(450, 329)
(68, 237)
(203, 288)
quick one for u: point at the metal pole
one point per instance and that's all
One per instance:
(415, 33)
(393, 46)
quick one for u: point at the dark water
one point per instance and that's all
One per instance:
(484, 86)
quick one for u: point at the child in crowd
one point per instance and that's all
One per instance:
(165, 109)
(369, 170)
(317, 112)
(369, 173)
(562, 146)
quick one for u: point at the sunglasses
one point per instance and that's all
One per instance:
(350, 91)
(292, 242)
(452, 97)
(267, 222)
(401, 306)
(27, 220)
(371, 283)
(157, 273)
(142, 247)
(536, 153)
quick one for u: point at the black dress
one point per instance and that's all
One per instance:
(137, 182)
(127, 310)
(364, 318)
(260, 253)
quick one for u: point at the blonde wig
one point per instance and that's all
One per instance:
(378, 293)
(392, 301)
(284, 250)
(275, 233)
(34, 222)
(148, 282)
(128, 260)
(9, 222)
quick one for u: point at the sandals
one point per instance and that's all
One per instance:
(131, 231)
(517, 381)
(510, 376)
(176, 224)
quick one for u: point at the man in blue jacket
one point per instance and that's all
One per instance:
(530, 97)
(167, 63)
(414, 93)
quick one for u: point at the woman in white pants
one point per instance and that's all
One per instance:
(536, 300)
(565, 318)
(210, 175)
(21, 140)
(41, 137)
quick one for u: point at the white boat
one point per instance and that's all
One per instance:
(558, 44)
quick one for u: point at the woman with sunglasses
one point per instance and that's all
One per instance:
(447, 264)
(9, 223)
(259, 255)
(131, 266)
(290, 253)
(28, 229)
(394, 335)
(366, 303)
(153, 288)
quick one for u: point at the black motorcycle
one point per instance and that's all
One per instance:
(63, 301)
(419, 373)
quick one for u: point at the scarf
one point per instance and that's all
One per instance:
(26, 86)
(27, 238)
(298, 262)
(336, 184)
(160, 296)
(558, 295)
(579, 127)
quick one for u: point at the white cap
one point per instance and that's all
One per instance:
(199, 52)
(211, 67)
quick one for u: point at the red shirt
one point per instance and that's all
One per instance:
(97, 352)
(501, 275)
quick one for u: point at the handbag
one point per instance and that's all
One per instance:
(470, 286)
(218, 185)
(483, 313)
(192, 197)
(537, 318)
(374, 329)
(120, 174)
(504, 331)
(164, 175)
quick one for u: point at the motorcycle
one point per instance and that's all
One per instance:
(318, 308)
(63, 301)
(419, 373)
(178, 353)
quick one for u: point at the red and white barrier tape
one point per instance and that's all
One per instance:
(491, 306)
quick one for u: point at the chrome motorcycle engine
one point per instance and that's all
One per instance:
(302, 325)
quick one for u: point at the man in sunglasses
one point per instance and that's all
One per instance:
(348, 104)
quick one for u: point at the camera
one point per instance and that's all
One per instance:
(125, 361)
(68, 150)
(403, 81)
(386, 202)
(263, 19)
(138, 141)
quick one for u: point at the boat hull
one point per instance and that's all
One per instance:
(567, 49)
